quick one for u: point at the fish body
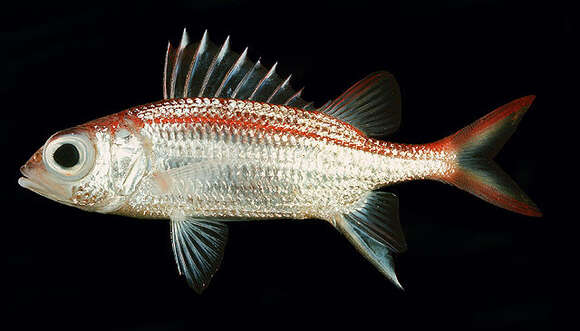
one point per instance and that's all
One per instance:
(247, 147)
(252, 160)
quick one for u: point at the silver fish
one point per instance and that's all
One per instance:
(231, 141)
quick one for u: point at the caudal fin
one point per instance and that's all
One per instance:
(476, 145)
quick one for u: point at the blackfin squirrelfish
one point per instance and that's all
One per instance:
(233, 141)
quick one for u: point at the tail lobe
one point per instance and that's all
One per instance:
(476, 145)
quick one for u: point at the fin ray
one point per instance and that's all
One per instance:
(217, 70)
(476, 145)
(374, 229)
(198, 246)
(281, 92)
(167, 69)
(204, 70)
(372, 105)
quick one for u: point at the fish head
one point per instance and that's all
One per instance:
(74, 167)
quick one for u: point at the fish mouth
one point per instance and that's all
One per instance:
(38, 186)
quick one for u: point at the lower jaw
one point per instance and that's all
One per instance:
(40, 190)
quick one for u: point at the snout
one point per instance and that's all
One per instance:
(35, 178)
(34, 163)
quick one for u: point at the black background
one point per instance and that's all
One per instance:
(470, 265)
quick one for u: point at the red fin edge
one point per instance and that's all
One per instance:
(474, 147)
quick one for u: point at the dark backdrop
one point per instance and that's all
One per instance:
(470, 265)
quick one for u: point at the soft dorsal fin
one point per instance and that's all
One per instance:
(373, 105)
(374, 229)
(203, 69)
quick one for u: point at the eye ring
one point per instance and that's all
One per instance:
(83, 160)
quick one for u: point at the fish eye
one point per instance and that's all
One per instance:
(69, 157)
(66, 155)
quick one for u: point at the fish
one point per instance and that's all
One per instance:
(233, 141)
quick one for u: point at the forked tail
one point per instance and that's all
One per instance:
(476, 145)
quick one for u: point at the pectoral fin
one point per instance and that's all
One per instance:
(198, 246)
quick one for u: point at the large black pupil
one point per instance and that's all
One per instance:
(66, 155)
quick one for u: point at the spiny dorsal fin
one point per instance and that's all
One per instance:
(374, 229)
(373, 105)
(203, 69)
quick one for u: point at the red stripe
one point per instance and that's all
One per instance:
(352, 137)
(360, 142)
(357, 88)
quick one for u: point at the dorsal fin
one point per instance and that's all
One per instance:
(372, 105)
(203, 69)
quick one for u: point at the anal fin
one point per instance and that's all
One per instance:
(198, 246)
(374, 229)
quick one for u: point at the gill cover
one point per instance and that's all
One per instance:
(129, 162)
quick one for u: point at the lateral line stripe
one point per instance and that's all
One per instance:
(373, 146)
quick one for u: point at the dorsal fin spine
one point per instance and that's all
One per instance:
(280, 87)
(239, 62)
(165, 71)
(246, 77)
(216, 60)
(193, 66)
(203, 69)
(294, 96)
(265, 78)
(184, 42)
